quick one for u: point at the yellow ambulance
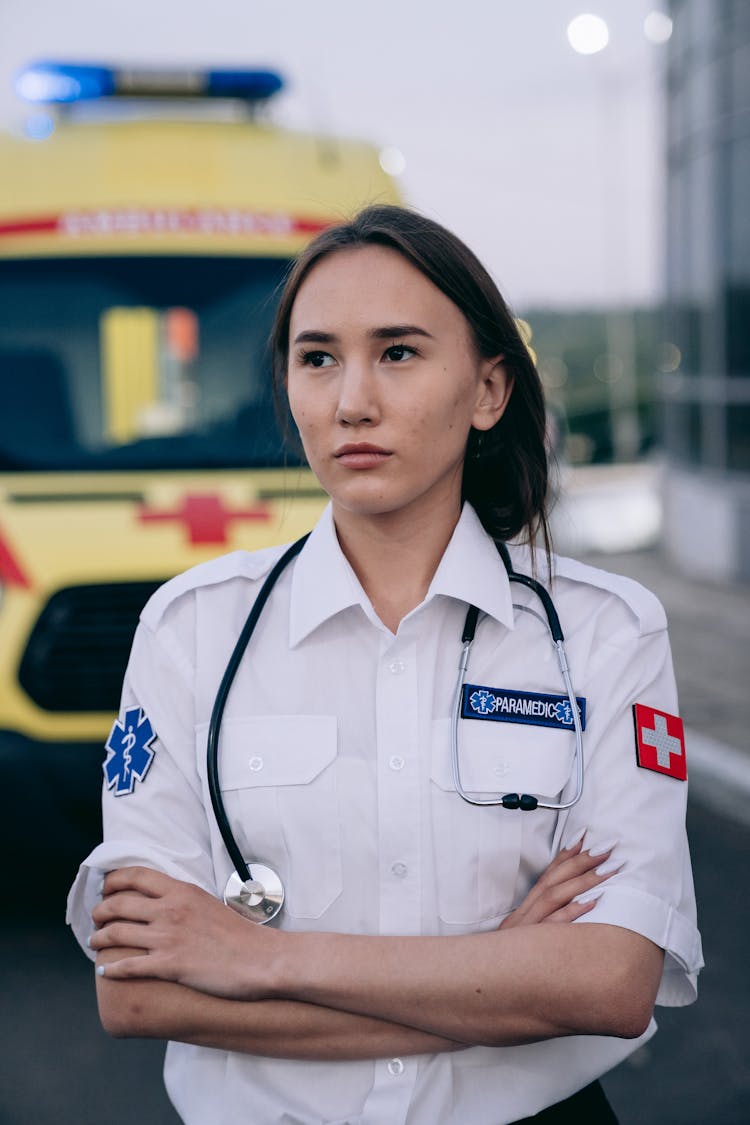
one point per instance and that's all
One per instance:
(146, 220)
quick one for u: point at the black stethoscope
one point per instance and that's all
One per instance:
(256, 890)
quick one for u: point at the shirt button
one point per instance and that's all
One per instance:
(397, 667)
(399, 870)
(395, 1067)
(396, 763)
(255, 764)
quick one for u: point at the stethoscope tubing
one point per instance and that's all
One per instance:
(524, 801)
(214, 726)
(527, 802)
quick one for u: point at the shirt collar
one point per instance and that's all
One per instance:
(324, 584)
(472, 571)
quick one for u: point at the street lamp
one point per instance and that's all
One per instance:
(588, 34)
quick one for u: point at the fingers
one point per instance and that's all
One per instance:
(575, 857)
(562, 894)
(571, 859)
(139, 967)
(134, 935)
(141, 879)
(573, 910)
(572, 873)
(573, 880)
(124, 905)
(137, 903)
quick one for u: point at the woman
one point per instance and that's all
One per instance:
(426, 967)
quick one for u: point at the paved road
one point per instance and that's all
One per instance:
(697, 1068)
(709, 626)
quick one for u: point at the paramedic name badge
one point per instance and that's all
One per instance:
(534, 708)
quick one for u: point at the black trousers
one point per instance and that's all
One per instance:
(588, 1106)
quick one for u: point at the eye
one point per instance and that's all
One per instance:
(397, 352)
(315, 359)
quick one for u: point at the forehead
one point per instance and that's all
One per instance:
(370, 286)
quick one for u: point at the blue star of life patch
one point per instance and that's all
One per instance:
(534, 708)
(129, 753)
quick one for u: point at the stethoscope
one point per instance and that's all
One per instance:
(255, 890)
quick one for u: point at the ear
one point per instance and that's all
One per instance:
(493, 395)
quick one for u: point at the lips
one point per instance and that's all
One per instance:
(361, 455)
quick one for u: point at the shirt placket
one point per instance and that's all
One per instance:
(399, 858)
(397, 748)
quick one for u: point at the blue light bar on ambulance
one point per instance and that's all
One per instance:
(65, 83)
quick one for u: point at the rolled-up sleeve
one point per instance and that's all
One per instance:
(161, 823)
(641, 809)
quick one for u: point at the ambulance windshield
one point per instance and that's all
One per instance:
(138, 363)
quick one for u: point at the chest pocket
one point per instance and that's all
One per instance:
(278, 780)
(478, 850)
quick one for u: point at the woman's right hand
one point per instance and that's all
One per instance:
(572, 872)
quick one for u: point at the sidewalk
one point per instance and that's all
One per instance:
(710, 631)
(709, 624)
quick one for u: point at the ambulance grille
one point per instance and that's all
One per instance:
(78, 650)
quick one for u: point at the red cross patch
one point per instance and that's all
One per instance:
(660, 741)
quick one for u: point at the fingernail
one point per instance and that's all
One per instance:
(100, 970)
(100, 887)
(600, 849)
(590, 896)
(88, 941)
(609, 867)
(571, 843)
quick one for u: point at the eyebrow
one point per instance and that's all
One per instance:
(387, 332)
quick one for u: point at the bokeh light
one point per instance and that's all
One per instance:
(657, 27)
(554, 372)
(392, 160)
(670, 357)
(608, 367)
(588, 34)
(39, 126)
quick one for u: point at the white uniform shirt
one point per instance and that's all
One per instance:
(335, 769)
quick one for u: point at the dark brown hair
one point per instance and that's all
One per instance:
(505, 470)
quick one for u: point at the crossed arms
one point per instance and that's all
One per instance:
(175, 963)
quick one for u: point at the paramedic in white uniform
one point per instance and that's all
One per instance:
(389, 992)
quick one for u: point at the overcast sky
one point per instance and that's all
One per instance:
(547, 162)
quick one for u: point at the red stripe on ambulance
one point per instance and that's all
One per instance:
(155, 221)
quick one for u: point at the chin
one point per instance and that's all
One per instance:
(372, 496)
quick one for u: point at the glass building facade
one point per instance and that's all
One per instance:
(706, 397)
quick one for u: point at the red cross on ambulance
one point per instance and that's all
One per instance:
(660, 741)
(205, 517)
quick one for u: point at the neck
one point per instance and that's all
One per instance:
(395, 555)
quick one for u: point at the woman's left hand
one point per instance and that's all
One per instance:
(555, 895)
(185, 935)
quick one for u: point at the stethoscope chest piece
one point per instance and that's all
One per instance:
(260, 899)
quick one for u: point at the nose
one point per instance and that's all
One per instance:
(358, 400)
